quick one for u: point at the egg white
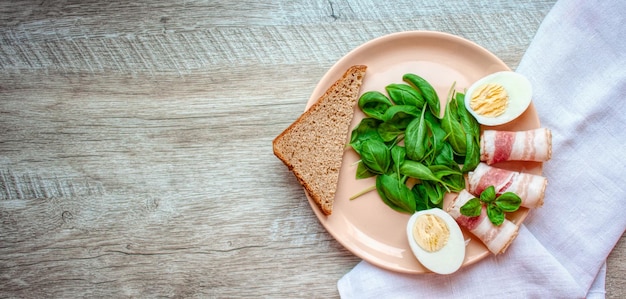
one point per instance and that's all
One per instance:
(449, 258)
(518, 88)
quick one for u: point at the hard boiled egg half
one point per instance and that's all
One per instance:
(498, 98)
(436, 240)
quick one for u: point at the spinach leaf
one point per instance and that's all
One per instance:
(472, 135)
(395, 193)
(415, 138)
(435, 193)
(427, 91)
(404, 94)
(470, 124)
(445, 156)
(472, 154)
(422, 202)
(396, 119)
(451, 124)
(366, 130)
(417, 170)
(437, 135)
(362, 172)
(398, 156)
(374, 104)
(376, 156)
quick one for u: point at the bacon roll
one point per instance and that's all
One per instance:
(532, 145)
(529, 187)
(496, 238)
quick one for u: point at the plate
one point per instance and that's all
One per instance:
(366, 226)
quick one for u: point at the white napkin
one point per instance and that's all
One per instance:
(577, 64)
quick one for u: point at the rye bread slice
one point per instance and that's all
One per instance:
(312, 146)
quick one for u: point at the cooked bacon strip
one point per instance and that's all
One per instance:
(531, 145)
(496, 238)
(529, 187)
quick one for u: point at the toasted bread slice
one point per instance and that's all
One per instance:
(312, 147)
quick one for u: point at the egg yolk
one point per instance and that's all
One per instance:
(489, 100)
(430, 232)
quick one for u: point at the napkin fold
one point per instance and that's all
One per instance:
(577, 65)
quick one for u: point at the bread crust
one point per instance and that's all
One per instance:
(325, 203)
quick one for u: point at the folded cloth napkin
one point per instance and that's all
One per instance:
(577, 66)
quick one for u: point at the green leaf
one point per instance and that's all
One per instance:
(427, 91)
(508, 202)
(376, 156)
(404, 94)
(397, 118)
(362, 172)
(441, 171)
(395, 193)
(401, 114)
(495, 214)
(422, 202)
(472, 154)
(414, 138)
(435, 192)
(437, 135)
(366, 130)
(470, 124)
(374, 104)
(445, 156)
(488, 195)
(417, 170)
(453, 128)
(454, 182)
(472, 208)
(398, 155)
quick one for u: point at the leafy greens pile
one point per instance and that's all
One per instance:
(414, 153)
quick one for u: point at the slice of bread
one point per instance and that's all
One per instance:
(312, 147)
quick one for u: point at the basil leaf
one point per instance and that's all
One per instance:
(472, 208)
(366, 130)
(376, 156)
(488, 195)
(395, 193)
(427, 91)
(417, 170)
(495, 214)
(508, 202)
(414, 138)
(404, 94)
(374, 104)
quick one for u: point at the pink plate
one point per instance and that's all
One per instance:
(366, 226)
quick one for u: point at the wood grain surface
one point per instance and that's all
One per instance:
(135, 140)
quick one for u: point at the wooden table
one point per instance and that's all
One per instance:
(135, 140)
